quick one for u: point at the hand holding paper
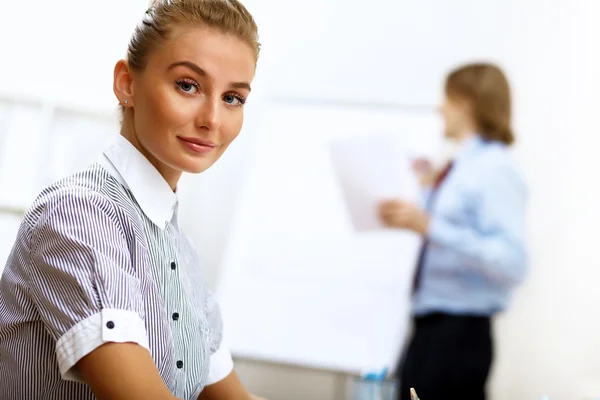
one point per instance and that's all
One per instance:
(404, 215)
(424, 169)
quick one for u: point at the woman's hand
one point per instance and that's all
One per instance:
(230, 388)
(425, 171)
(404, 215)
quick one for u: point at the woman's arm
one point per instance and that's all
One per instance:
(88, 301)
(122, 371)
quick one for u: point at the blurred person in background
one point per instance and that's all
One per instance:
(473, 253)
(102, 296)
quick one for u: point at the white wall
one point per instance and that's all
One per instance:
(65, 50)
(548, 342)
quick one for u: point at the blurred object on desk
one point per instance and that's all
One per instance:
(359, 388)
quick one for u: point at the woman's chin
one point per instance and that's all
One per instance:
(196, 166)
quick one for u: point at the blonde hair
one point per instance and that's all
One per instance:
(227, 16)
(487, 90)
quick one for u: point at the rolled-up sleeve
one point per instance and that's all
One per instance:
(221, 363)
(81, 277)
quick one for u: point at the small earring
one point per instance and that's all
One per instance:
(125, 101)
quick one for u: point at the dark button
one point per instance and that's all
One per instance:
(175, 316)
(110, 325)
(173, 265)
(179, 364)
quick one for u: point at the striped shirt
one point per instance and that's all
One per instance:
(100, 258)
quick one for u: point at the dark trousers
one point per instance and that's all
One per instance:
(449, 357)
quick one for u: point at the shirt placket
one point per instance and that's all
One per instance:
(176, 314)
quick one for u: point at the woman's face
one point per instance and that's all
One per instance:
(188, 102)
(458, 119)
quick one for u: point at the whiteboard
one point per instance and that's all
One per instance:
(297, 284)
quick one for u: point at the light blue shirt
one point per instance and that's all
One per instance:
(476, 253)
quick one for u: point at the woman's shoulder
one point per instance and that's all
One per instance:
(90, 190)
(496, 163)
(494, 156)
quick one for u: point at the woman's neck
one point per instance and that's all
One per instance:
(464, 135)
(170, 175)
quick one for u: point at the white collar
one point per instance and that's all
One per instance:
(133, 170)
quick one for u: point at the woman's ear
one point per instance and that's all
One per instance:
(123, 83)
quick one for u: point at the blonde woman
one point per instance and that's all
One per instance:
(102, 296)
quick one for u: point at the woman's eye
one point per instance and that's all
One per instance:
(187, 87)
(233, 100)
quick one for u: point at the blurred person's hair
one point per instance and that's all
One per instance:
(486, 89)
(226, 16)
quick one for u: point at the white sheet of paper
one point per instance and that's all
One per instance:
(370, 169)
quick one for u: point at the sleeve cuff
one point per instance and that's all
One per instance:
(109, 325)
(221, 365)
